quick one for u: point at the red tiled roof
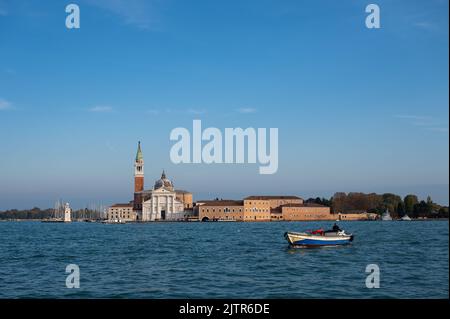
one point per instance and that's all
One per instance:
(303, 205)
(122, 205)
(226, 202)
(270, 197)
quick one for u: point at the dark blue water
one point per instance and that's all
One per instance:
(220, 260)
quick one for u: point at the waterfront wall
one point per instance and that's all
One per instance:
(306, 212)
(254, 209)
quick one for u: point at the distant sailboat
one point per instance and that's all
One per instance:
(386, 216)
(405, 218)
(57, 212)
(57, 215)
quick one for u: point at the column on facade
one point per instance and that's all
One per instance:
(144, 211)
(173, 203)
(158, 208)
(168, 204)
(151, 208)
(155, 208)
(167, 207)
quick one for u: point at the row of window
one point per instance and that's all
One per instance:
(257, 210)
(260, 203)
(115, 216)
(305, 215)
(227, 210)
(238, 218)
(278, 202)
(120, 210)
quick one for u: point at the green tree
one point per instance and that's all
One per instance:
(433, 207)
(401, 209)
(390, 202)
(410, 201)
(422, 209)
(443, 212)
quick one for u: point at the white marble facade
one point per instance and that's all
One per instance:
(162, 205)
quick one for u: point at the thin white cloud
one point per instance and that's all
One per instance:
(413, 117)
(101, 109)
(176, 111)
(426, 25)
(438, 129)
(246, 110)
(196, 112)
(426, 122)
(153, 112)
(4, 104)
(3, 10)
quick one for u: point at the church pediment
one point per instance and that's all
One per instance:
(162, 190)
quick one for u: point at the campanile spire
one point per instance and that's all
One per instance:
(139, 170)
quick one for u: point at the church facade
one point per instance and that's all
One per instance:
(163, 201)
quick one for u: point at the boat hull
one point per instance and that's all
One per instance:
(303, 239)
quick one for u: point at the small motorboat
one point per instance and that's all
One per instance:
(406, 218)
(318, 238)
(386, 216)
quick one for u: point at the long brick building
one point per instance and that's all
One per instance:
(262, 208)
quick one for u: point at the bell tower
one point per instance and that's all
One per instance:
(139, 170)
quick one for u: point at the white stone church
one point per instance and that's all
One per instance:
(161, 203)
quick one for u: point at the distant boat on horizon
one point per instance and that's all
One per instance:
(57, 214)
(386, 216)
(405, 218)
(61, 214)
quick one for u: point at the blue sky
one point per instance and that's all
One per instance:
(357, 109)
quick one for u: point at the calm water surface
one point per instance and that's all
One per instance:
(221, 260)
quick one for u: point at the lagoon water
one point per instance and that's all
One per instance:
(221, 260)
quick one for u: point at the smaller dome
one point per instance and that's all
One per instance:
(163, 182)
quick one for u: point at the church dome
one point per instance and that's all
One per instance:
(163, 182)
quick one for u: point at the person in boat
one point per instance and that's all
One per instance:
(335, 228)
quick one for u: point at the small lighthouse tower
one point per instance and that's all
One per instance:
(67, 213)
